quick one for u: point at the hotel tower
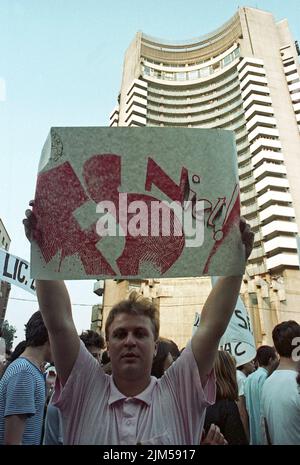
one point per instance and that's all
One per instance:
(244, 76)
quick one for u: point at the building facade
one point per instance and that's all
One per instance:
(4, 286)
(244, 77)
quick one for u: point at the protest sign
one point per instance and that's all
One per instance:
(16, 271)
(136, 203)
(238, 338)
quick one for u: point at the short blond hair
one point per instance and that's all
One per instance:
(136, 304)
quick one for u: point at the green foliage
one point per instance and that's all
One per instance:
(8, 333)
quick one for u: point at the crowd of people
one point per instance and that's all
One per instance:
(143, 389)
(270, 390)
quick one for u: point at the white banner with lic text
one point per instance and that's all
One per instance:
(15, 270)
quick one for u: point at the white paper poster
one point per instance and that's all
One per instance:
(137, 203)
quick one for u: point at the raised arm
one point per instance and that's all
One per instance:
(55, 306)
(217, 312)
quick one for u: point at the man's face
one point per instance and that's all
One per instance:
(96, 352)
(131, 347)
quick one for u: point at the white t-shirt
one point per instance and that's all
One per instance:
(280, 406)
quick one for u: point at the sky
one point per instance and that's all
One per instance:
(61, 65)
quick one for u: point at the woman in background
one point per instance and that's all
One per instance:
(163, 358)
(225, 413)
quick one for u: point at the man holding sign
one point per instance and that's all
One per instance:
(131, 407)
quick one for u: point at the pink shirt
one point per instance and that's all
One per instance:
(170, 410)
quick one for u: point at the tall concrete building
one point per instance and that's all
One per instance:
(244, 76)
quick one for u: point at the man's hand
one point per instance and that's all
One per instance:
(214, 437)
(30, 225)
(55, 306)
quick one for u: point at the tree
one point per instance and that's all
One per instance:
(8, 333)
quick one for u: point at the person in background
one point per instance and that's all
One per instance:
(19, 349)
(8, 355)
(280, 401)
(50, 374)
(163, 358)
(3, 357)
(267, 361)
(105, 358)
(174, 349)
(23, 389)
(105, 363)
(242, 371)
(225, 413)
(94, 342)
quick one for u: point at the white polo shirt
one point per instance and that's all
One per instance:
(170, 410)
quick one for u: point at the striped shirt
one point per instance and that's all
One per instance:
(23, 392)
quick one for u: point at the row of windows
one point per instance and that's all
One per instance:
(193, 120)
(206, 88)
(153, 113)
(206, 110)
(179, 65)
(205, 100)
(216, 98)
(191, 75)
